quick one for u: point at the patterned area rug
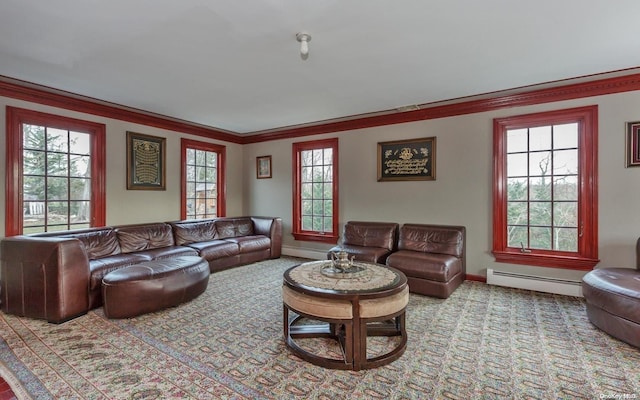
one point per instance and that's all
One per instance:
(484, 342)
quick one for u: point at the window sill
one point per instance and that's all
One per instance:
(546, 260)
(316, 237)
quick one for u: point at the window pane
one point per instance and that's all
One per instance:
(307, 207)
(328, 225)
(517, 165)
(540, 138)
(307, 175)
(318, 224)
(57, 164)
(540, 188)
(190, 172)
(307, 189)
(540, 238)
(540, 213)
(565, 214)
(212, 159)
(33, 187)
(318, 157)
(565, 162)
(517, 189)
(318, 175)
(306, 158)
(57, 212)
(540, 163)
(565, 188)
(517, 236)
(191, 189)
(57, 189)
(79, 143)
(307, 223)
(328, 191)
(191, 156)
(328, 208)
(80, 189)
(517, 213)
(328, 156)
(565, 136)
(516, 140)
(33, 162)
(57, 140)
(318, 207)
(318, 189)
(80, 166)
(80, 212)
(33, 137)
(566, 239)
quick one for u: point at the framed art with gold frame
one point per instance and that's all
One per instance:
(407, 160)
(146, 159)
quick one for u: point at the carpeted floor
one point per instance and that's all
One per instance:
(484, 342)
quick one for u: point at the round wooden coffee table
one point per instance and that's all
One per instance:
(349, 307)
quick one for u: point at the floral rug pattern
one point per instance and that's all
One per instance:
(484, 342)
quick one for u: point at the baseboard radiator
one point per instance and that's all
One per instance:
(532, 282)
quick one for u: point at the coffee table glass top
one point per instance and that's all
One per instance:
(371, 277)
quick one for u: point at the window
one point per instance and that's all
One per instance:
(315, 189)
(545, 189)
(202, 180)
(55, 173)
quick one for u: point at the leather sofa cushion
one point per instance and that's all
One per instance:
(247, 244)
(367, 254)
(194, 231)
(430, 266)
(370, 234)
(230, 228)
(97, 243)
(170, 251)
(215, 249)
(430, 239)
(144, 237)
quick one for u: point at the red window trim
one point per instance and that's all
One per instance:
(297, 231)
(587, 256)
(222, 187)
(15, 117)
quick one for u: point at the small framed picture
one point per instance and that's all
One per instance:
(633, 144)
(263, 167)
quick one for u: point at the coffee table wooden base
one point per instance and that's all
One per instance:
(351, 334)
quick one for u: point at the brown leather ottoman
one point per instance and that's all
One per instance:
(154, 285)
(613, 302)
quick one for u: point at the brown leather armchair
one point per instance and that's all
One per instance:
(613, 300)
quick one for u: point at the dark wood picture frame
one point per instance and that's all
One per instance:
(407, 160)
(146, 160)
(633, 144)
(263, 167)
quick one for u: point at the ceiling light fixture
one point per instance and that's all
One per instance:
(304, 39)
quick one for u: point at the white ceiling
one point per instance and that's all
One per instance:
(234, 65)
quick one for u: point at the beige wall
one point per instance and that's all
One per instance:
(135, 206)
(461, 194)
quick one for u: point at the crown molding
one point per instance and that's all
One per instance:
(34, 93)
(495, 101)
(488, 102)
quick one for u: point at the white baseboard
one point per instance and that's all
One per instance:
(531, 282)
(304, 253)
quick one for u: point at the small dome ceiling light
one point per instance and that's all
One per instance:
(304, 39)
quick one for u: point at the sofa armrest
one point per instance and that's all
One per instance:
(44, 277)
(272, 228)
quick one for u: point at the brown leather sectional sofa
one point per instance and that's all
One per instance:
(58, 276)
(433, 257)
